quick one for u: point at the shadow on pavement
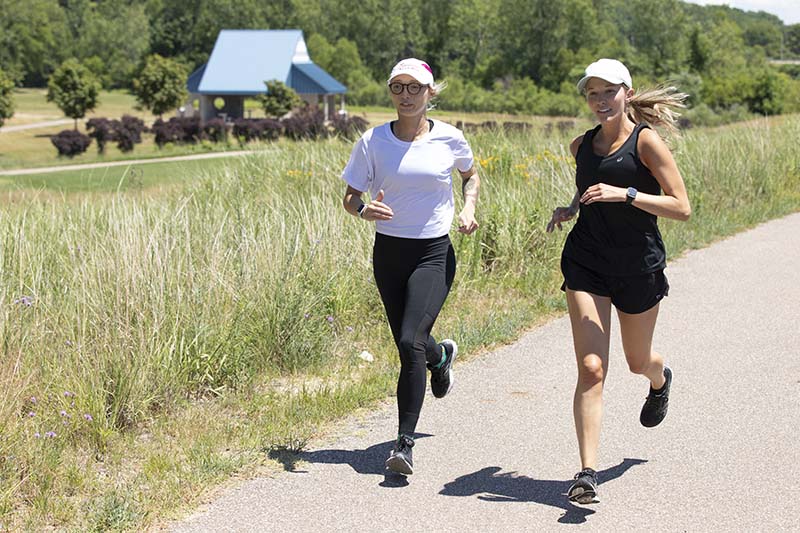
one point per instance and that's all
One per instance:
(510, 487)
(368, 461)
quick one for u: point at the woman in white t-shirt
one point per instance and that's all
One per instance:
(406, 165)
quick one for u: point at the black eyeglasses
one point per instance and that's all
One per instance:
(413, 88)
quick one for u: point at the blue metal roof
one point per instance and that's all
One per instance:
(243, 59)
(309, 78)
(194, 79)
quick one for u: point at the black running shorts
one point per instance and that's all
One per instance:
(629, 294)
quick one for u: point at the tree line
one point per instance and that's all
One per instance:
(497, 55)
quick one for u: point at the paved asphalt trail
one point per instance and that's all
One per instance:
(501, 446)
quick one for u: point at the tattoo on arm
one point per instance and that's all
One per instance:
(470, 187)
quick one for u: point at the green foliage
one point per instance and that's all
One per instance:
(161, 85)
(792, 40)
(73, 88)
(479, 41)
(342, 61)
(279, 99)
(6, 97)
(34, 39)
(115, 33)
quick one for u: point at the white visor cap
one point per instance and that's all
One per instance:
(610, 70)
(417, 69)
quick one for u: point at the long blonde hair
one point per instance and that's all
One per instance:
(658, 107)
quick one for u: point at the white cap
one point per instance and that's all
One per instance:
(609, 70)
(419, 70)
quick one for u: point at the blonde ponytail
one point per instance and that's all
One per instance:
(658, 107)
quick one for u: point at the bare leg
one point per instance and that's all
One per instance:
(637, 341)
(590, 316)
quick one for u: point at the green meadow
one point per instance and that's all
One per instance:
(166, 330)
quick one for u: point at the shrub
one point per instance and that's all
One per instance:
(101, 130)
(216, 130)
(349, 126)
(247, 129)
(305, 123)
(177, 130)
(128, 132)
(70, 143)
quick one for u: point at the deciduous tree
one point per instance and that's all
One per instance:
(161, 85)
(74, 89)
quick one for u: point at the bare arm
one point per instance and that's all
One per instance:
(374, 210)
(563, 214)
(470, 186)
(656, 156)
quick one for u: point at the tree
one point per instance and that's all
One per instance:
(792, 40)
(279, 99)
(115, 33)
(6, 99)
(161, 84)
(34, 39)
(74, 89)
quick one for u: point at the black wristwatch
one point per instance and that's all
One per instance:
(360, 209)
(631, 195)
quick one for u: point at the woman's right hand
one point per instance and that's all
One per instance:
(377, 210)
(561, 214)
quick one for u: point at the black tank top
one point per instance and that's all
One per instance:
(615, 238)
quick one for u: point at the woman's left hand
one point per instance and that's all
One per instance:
(602, 192)
(466, 221)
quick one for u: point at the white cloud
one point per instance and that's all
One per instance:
(786, 10)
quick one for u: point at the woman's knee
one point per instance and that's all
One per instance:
(590, 369)
(638, 364)
(409, 352)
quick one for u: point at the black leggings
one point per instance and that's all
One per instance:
(413, 278)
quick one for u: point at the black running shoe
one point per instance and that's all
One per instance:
(400, 460)
(584, 490)
(442, 377)
(655, 407)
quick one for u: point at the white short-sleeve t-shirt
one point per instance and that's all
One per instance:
(416, 177)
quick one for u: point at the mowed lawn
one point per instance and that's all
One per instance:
(117, 178)
(32, 148)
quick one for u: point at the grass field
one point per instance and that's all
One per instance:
(145, 176)
(156, 344)
(32, 148)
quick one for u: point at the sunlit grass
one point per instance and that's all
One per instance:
(207, 326)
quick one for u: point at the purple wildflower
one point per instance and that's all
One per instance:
(88, 417)
(68, 394)
(31, 414)
(27, 301)
(64, 413)
(349, 328)
(36, 435)
(50, 434)
(33, 400)
(329, 318)
(306, 315)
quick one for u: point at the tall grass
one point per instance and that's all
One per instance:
(115, 311)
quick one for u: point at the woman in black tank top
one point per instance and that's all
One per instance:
(614, 254)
